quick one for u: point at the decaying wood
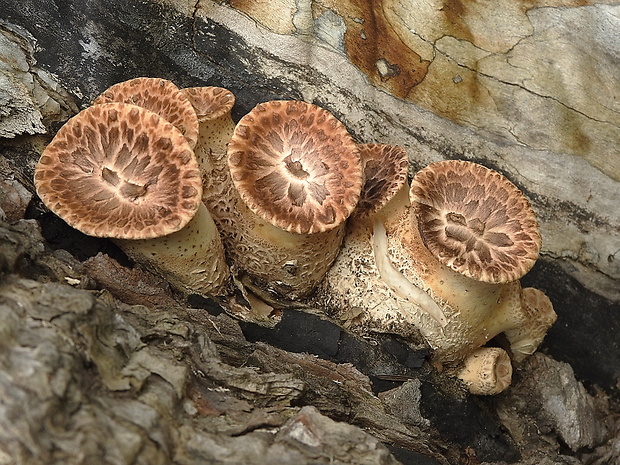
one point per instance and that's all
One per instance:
(87, 378)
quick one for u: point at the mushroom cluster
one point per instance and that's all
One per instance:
(444, 257)
(287, 206)
(125, 168)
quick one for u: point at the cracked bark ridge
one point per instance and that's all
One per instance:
(165, 383)
(115, 377)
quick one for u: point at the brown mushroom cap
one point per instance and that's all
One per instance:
(121, 171)
(160, 96)
(296, 166)
(385, 172)
(209, 102)
(475, 221)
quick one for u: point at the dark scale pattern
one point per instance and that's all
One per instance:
(475, 221)
(118, 170)
(161, 97)
(296, 166)
(209, 102)
(385, 172)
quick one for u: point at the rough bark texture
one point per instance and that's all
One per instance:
(100, 362)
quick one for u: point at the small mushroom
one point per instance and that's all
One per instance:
(297, 176)
(536, 317)
(487, 371)
(215, 129)
(159, 96)
(120, 171)
(215, 125)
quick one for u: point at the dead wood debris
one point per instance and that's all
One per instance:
(87, 378)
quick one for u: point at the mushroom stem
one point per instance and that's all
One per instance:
(487, 371)
(294, 176)
(215, 129)
(213, 136)
(191, 259)
(286, 271)
(476, 311)
(401, 286)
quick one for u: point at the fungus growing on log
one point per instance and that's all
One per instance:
(475, 221)
(120, 171)
(465, 237)
(474, 235)
(297, 175)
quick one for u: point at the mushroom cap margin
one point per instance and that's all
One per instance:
(160, 96)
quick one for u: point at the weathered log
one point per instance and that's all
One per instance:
(104, 380)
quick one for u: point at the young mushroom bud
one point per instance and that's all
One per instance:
(120, 171)
(160, 96)
(298, 176)
(536, 317)
(487, 371)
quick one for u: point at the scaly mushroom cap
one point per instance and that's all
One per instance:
(209, 102)
(296, 166)
(121, 171)
(385, 172)
(160, 96)
(475, 221)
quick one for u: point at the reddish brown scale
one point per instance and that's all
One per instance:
(475, 221)
(104, 185)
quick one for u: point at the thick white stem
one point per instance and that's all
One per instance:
(399, 283)
(191, 259)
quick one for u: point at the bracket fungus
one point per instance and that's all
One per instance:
(163, 172)
(297, 177)
(120, 171)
